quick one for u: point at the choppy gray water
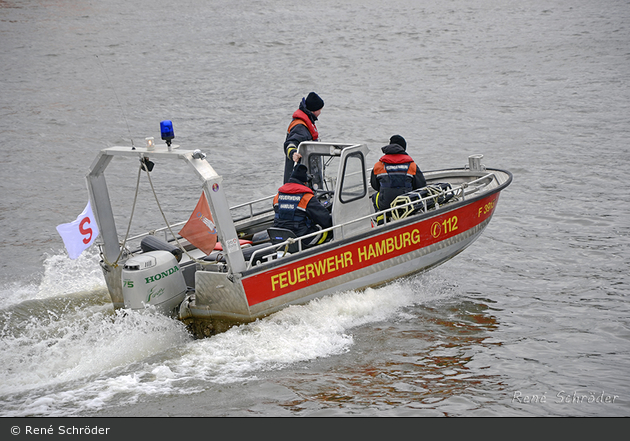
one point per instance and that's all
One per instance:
(531, 320)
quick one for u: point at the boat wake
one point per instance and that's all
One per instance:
(69, 353)
(61, 276)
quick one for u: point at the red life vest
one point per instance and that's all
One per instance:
(300, 117)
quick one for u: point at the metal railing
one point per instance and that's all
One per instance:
(460, 192)
(250, 204)
(251, 216)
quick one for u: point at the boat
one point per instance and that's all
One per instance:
(255, 270)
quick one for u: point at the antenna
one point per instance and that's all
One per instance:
(119, 104)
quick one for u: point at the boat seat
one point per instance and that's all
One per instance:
(219, 255)
(279, 235)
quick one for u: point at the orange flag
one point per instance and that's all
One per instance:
(200, 229)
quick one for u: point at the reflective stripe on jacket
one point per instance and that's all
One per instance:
(291, 207)
(395, 171)
(297, 210)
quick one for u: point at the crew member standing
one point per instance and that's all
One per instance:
(302, 128)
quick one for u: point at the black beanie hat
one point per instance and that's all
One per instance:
(314, 102)
(299, 173)
(397, 139)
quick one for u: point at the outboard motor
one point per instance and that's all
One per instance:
(153, 279)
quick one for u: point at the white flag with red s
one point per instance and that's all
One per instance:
(80, 234)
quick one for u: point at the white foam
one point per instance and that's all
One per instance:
(91, 356)
(62, 275)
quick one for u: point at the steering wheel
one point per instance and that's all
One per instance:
(324, 193)
(325, 197)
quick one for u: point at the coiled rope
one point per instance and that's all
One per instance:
(405, 201)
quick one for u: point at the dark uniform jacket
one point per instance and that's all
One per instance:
(302, 128)
(298, 210)
(394, 174)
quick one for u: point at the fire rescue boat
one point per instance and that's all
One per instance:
(253, 270)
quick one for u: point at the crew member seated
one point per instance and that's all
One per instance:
(299, 211)
(394, 174)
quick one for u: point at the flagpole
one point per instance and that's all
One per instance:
(101, 205)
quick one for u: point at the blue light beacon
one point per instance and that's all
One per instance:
(166, 127)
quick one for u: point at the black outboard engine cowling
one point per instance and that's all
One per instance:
(152, 243)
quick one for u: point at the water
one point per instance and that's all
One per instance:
(532, 320)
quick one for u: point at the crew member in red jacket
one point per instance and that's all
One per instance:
(302, 128)
(394, 174)
(298, 210)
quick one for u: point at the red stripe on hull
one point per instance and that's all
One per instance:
(294, 276)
